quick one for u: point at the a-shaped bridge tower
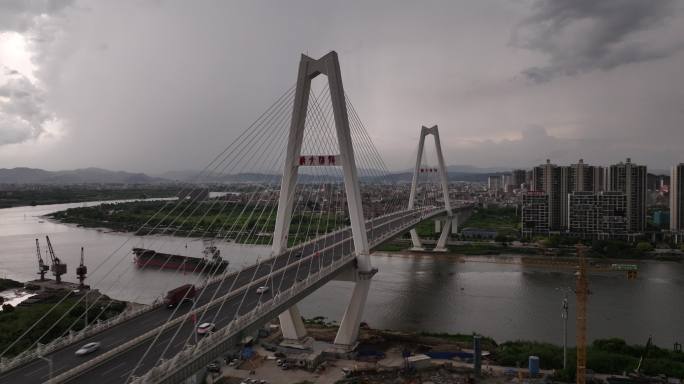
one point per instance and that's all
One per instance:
(442, 174)
(291, 320)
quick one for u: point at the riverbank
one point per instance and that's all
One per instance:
(6, 284)
(515, 258)
(606, 356)
(46, 195)
(491, 248)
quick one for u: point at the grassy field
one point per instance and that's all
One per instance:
(504, 220)
(233, 221)
(611, 356)
(14, 322)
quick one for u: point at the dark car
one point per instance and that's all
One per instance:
(214, 367)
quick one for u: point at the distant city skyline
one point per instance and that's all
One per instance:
(86, 84)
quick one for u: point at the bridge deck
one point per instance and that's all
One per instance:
(291, 269)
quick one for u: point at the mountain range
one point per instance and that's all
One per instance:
(24, 175)
(75, 176)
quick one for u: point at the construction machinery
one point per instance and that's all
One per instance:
(644, 354)
(58, 268)
(581, 293)
(42, 267)
(81, 272)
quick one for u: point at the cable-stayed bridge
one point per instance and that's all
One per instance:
(323, 229)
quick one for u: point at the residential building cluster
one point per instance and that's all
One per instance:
(584, 200)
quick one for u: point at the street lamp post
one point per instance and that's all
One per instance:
(564, 316)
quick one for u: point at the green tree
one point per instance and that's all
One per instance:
(644, 246)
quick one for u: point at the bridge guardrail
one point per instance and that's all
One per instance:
(72, 337)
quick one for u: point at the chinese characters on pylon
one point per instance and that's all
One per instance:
(319, 160)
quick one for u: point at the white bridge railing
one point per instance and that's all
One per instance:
(72, 337)
(86, 332)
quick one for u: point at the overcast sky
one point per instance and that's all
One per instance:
(154, 86)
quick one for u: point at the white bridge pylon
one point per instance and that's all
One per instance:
(441, 243)
(309, 68)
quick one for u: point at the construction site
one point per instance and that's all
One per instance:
(384, 356)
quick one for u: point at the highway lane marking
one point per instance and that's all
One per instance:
(148, 320)
(36, 370)
(105, 373)
(126, 373)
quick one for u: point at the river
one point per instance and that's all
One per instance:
(436, 294)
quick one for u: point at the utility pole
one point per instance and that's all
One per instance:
(582, 292)
(564, 316)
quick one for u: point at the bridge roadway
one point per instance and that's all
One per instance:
(118, 368)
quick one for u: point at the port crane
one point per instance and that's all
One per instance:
(42, 267)
(58, 268)
(81, 271)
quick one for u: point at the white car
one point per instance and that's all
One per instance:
(262, 289)
(205, 328)
(88, 348)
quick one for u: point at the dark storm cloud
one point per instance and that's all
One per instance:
(20, 15)
(155, 86)
(22, 109)
(584, 35)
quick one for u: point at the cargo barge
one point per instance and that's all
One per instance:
(211, 262)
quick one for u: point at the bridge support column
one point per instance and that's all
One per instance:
(291, 324)
(349, 327)
(441, 243)
(454, 225)
(415, 239)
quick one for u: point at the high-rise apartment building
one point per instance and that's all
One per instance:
(677, 198)
(518, 178)
(630, 179)
(557, 182)
(599, 178)
(600, 215)
(537, 181)
(494, 183)
(586, 178)
(554, 181)
(535, 213)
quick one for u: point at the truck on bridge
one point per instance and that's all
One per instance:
(177, 295)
